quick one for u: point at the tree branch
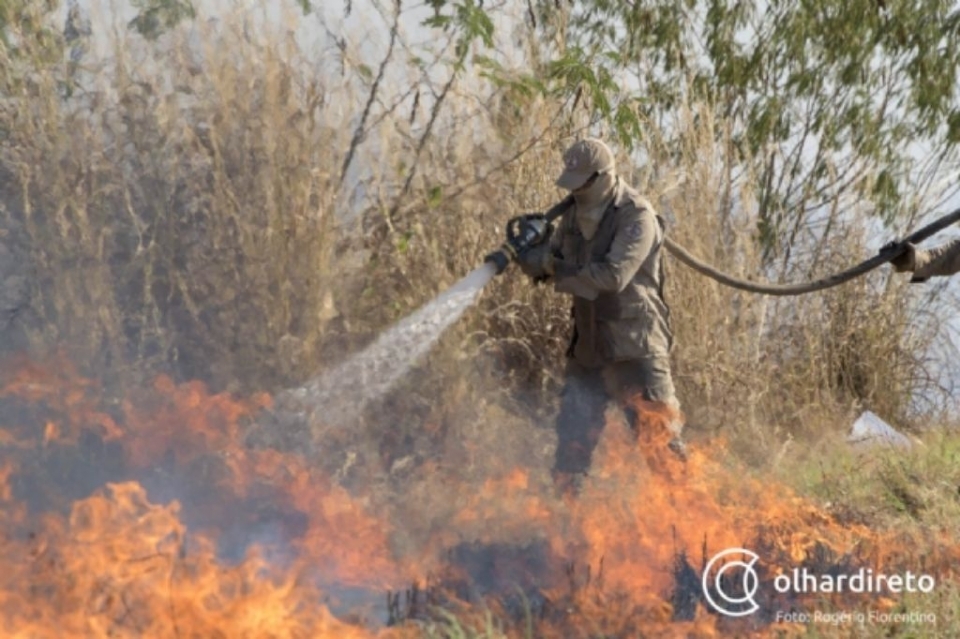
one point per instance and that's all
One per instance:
(360, 131)
(434, 114)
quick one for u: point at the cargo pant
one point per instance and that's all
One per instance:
(585, 396)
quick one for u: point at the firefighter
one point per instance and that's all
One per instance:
(943, 260)
(607, 254)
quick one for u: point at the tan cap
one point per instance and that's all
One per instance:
(582, 160)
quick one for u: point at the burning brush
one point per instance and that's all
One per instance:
(149, 517)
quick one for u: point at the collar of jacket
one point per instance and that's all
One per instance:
(621, 194)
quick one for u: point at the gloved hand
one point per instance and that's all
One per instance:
(567, 282)
(537, 262)
(906, 261)
(563, 269)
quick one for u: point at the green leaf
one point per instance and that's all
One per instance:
(885, 188)
(158, 16)
(403, 241)
(438, 22)
(434, 196)
(953, 127)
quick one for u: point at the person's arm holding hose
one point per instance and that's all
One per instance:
(636, 236)
(941, 261)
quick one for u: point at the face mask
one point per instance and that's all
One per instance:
(592, 201)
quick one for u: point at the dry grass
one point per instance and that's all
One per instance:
(197, 223)
(178, 219)
(192, 219)
(766, 370)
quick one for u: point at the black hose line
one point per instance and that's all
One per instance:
(836, 279)
(766, 288)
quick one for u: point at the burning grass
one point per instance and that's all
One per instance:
(226, 241)
(149, 517)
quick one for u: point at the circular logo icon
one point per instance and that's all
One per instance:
(732, 594)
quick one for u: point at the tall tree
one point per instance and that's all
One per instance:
(827, 101)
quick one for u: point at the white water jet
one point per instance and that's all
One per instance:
(341, 393)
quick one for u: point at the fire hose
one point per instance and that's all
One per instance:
(526, 231)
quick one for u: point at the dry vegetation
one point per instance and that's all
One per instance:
(188, 209)
(198, 221)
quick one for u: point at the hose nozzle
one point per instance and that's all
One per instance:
(523, 233)
(500, 258)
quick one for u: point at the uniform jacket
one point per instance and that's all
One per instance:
(942, 260)
(617, 286)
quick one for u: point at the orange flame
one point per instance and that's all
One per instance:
(143, 555)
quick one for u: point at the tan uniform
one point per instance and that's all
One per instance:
(622, 338)
(618, 308)
(940, 261)
(606, 253)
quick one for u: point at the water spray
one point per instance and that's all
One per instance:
(338, 396)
